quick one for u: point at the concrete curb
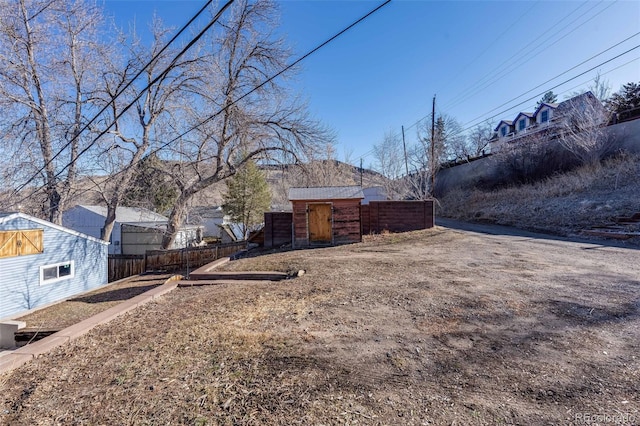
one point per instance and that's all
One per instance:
(26, 353)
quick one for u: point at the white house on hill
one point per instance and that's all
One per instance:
(544, 122)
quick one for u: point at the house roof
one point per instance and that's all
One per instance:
(374, 193)
(542, 105)
(326, 193)
(526, 114)
(561, 107)
(128, 214)
(158, 225)
(233, 230)
(507, 122)
(6, 217)
(581, 99)
(207, 212)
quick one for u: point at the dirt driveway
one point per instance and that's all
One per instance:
(432, 327)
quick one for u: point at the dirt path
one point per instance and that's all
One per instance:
(432, 327)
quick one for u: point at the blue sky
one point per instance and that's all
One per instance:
(481, 59)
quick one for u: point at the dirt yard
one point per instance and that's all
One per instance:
(429, 327)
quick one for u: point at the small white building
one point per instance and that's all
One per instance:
(135, 229)
(211, 218)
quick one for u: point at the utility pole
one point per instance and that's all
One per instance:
(433, 146)
(361, 172)
(404, 145)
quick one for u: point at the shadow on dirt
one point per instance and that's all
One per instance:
(114, 295)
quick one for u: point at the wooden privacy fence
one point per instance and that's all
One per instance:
(277, 229)
(125, 265)
(397, 216)
(122, 266)
(375, 217)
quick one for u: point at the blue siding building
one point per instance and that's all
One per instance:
(42, 263)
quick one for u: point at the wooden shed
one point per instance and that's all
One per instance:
(326, 215)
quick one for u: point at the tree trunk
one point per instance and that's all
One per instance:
(109, 221)
(178, 213)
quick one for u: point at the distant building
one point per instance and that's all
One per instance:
(545, 122)
(374, 193)
(134, 231)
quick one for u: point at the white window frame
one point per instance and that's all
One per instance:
(58, 278)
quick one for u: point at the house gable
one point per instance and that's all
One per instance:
(544, 113)
(504, 128)
(67, 263)
(522, 121)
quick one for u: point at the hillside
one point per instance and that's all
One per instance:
(566, 204)
(279, 176)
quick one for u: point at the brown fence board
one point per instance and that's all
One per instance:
(397, 216)
(277, 228)
(122, 266)
(125, 265)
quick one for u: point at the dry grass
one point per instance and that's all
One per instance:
(429, 327)
(564, 204)
(72, 311)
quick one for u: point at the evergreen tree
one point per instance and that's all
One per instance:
(627, 98)
(547, 98)
(247, 196)
(150, 187)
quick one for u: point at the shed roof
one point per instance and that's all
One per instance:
(326, 193)
(7, 217)
(128, 214)
(158, 225)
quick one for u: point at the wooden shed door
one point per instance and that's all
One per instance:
(20, 243)
(320, 223)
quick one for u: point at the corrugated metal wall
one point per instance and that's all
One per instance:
(20, 288)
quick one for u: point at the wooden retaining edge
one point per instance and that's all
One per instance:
(241, 276)
(212, 265)
(26, 353)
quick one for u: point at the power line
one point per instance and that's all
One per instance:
(480, 118)
(491, 44)
(106, 130)
(521, 61)
(211, 117)
(464, 94)
(551, 88)
(104, 108)
(557, 76)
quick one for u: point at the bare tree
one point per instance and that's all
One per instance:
(237, 116)
(448, 144)
(49, 51)
(158, 96)
(581, 132)
(389, 161)
(323, 169)
(600, 88)
(478, 139)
